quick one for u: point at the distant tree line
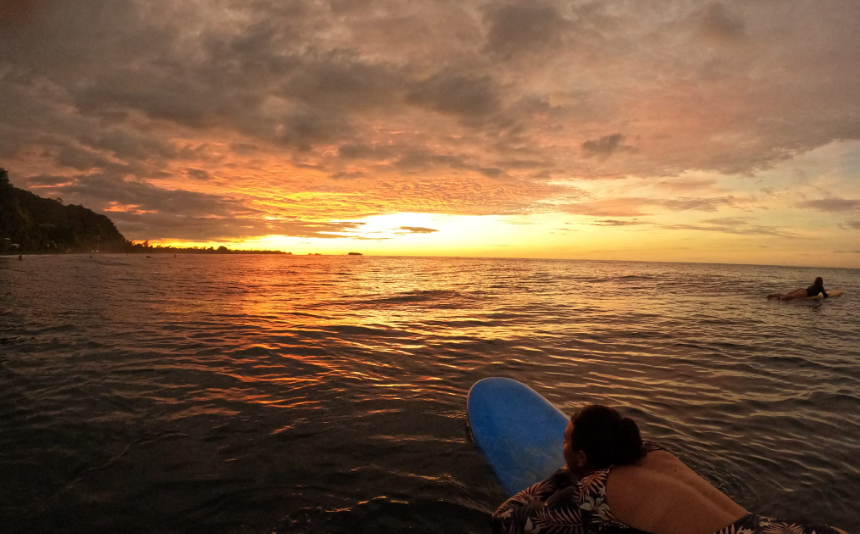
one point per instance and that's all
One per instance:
(159, 249)
(30, 224)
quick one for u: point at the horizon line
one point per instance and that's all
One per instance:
(288, 253)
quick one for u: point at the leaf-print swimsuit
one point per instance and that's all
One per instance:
(561, 505)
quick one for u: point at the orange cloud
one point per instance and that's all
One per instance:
(272, 118)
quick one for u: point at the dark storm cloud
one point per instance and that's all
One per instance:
(521, 164)
(456, 94)
(100, 192)
(134, 91)
(216, 81)
(197, 174)
(144, 211)
(343, 81)
(82, 159)
(31, 120)
(398, 159)
(347, 175)
(362, 151)
(720, 24)
(165, 94)
(420, 160)
(413, 160)
(831, 204)
(491, 172)
(519, 28)
(18, 12)
(126, 145)
(297, 76)
(74, 42)
(303, 131)
(44, 180)
(244, 149)
(852, 225)
(606, 146)
(157, 226)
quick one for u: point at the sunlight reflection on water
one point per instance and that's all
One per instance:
(261, 393)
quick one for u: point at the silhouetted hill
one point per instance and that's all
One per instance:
(39, 224)
(30, 224)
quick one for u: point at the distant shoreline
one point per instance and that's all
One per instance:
(160, 253)
(279, 253)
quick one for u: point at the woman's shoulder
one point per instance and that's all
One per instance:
(661, 490)
(650, 446)
(635, 483)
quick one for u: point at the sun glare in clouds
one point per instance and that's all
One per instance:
(703, 131)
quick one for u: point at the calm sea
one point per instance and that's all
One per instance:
(322, 394)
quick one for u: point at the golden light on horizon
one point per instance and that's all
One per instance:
(450, 136)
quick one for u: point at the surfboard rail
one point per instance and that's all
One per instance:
(830, 294)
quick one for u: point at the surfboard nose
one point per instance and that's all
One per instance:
(519, 431)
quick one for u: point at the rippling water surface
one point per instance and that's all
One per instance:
(301, 394)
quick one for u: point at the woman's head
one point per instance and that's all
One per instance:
(598, 437)
(819, 281)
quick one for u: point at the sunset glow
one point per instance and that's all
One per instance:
(664, 131)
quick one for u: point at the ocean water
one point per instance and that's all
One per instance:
(322, 394)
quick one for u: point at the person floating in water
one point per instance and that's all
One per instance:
(800, 293)
(616, 483)
(20, 257)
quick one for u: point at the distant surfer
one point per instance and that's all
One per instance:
(800, 293)
(616, 483)
(20, 257)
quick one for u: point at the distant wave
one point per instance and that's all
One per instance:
(437, 296)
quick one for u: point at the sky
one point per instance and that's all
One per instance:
(656, 130)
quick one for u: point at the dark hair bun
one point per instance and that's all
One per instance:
(629, 441)
(606, 438)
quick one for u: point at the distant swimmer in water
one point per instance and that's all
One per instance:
(811, 291)
(616, 483)
(20, 257)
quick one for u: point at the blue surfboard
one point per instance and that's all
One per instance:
(518, 431)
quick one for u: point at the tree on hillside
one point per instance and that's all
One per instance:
(40, 224)
(33, 224)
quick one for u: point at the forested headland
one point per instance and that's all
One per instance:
(30, 224)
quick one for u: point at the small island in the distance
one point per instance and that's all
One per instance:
(30, 224)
